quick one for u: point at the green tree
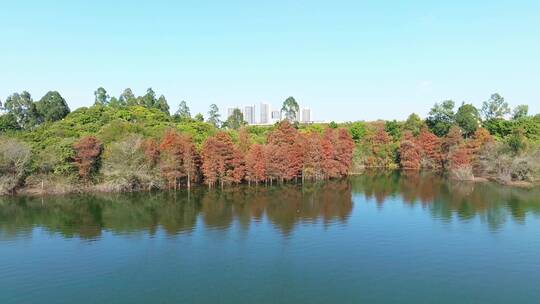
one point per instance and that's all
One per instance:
(290, 108)
(333, 125)
(23, 109)
(199, 117)
(393, 128)
(8, 122)
(183, 111)
(468, 119)
(127, 98)
(101, 96)
(495, 107)
(52, 107)
(213, 116)
(441, 118)
(149, 99)
(520, 111)
(413, 124)
(358, 130)
(236, 120)
(517, 140)
(162, 105)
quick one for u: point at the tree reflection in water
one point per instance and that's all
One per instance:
(285, 207)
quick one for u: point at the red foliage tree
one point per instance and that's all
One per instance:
(379, 144)
(314, 156)
(331, 166)
(221, 161)
(430, 146)
(285, 162)
(255, 164)
(151, 151)
(344, 151)
(87, 153)
(178, 159)
(449, 143)
(460, 157)
(409, 152)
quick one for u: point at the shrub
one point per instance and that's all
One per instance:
(14, 164)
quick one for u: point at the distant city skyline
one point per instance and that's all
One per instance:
(350, 60)
(264, 113)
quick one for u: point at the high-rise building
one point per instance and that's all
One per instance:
(306, 115)
(265, 113)
(230, 112)
(276, 116)
(249, 114)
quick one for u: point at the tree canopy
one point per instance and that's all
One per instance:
(290, 109)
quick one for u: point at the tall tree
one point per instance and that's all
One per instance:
(468, 119)
(381, 150)
(286, 161)
(101, 96)
(315, 165)
(236, 120)
(222, 163)
(183, 111)
(162, 105)
(520, 111)
(329, 143)
(495, 107)
(291, 109)
(52, 107)
(178, 159)
(255, 164)
(127, 98)
(441, 117)
(409, 152)
(148, 100)
(213, 116)
(430, 146)
(23, 109)
(344, 150)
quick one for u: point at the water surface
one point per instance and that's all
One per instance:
(375, 238)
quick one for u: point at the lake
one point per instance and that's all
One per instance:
(373, 238)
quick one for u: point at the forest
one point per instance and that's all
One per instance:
(133, 143)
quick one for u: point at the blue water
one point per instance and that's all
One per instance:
(376, 238)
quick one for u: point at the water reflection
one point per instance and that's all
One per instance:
(446, 199)
(284, 207)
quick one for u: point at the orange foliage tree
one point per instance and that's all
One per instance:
(344, 151)
(314, 156)
(222, 162)
(255, 164)
(430, 146)
(409, 152)
(380, 149)
(150, 148)
(284, 162)
(178, 159)
(87, 154)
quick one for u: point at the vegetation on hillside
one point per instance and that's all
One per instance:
(133, 143)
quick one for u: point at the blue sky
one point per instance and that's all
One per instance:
(347, 60)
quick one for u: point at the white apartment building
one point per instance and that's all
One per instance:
(249, 114)
(265, 113)
(305, 116)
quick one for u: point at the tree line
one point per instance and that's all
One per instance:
(130, 142)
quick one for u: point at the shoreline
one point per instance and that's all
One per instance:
(54, 189)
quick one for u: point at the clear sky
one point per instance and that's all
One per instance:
(347, 60)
